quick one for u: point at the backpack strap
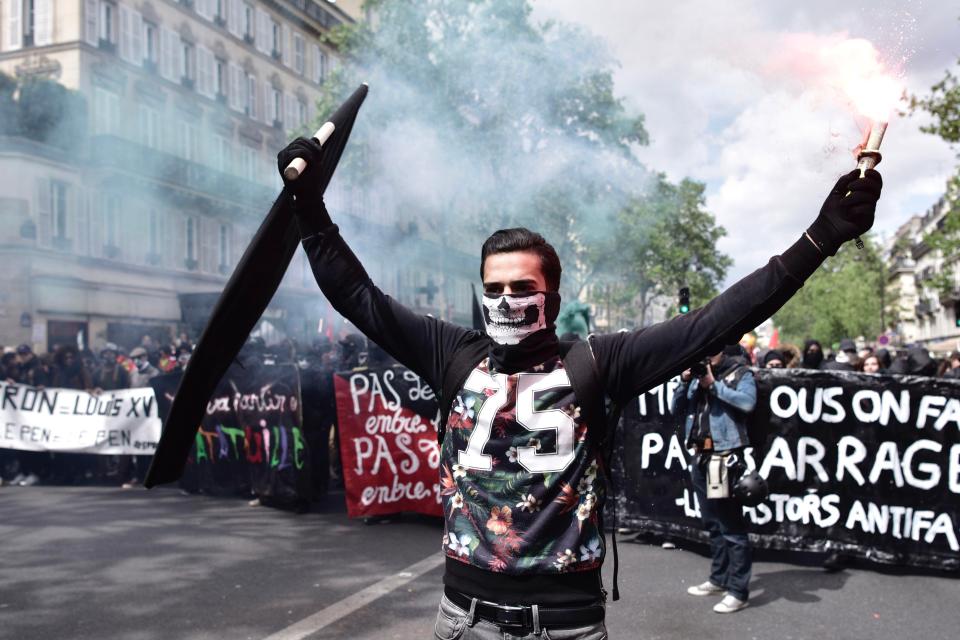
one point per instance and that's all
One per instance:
(581, 367)
(454, 377)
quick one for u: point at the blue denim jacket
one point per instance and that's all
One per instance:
(729, 407)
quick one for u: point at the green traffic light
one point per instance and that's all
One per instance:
(684, 309)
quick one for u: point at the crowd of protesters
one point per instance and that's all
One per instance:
(67, 367)
(848, 355)
(113, 367)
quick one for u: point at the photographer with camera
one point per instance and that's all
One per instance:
(714, 398)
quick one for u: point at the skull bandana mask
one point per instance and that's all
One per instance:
(512, 317)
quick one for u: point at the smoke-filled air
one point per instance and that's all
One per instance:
(481, 118)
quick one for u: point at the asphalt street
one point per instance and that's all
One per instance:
(94, 562)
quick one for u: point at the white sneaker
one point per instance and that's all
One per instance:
(729, 604)
(705, 589)
(30, 480)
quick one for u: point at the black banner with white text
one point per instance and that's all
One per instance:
(864, 464)
(251, 438)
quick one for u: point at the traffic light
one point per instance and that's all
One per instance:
(684, 300)
(956, 313)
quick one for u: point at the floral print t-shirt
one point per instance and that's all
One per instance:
(520, 483)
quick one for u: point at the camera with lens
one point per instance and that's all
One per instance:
(698, 369)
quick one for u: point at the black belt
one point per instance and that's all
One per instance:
(521, 616)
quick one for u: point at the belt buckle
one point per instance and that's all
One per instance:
(503, 622)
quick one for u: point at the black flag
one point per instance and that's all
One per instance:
(247, 294)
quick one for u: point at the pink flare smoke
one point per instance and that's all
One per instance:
(850, 69)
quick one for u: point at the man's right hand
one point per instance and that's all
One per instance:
(305, 187)
(686, 375)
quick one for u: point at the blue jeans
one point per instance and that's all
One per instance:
(454, 623)
(729, 545)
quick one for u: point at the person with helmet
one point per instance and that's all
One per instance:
(714, 405)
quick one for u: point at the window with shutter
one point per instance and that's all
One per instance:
(59, 216)
(252, 94)
(270, 104)
(136, 38)
(190, 248)
(290, 111)
(285, 45)
(13, 25)
(167, 45)
(81, 204)
(151, 44)
(249, 26)
(225, 259)
(208, 247)
(42, 22)
(315, 63)
(125, 42)
(205, 79)
(185, 62)
(91, 31)
(235, 18)
(238, 88)
(153, 233)
(111, 227)
(43, 212)
(95, 218)
(299, 51)
(263, 31)
(206, 8)
(108, 17)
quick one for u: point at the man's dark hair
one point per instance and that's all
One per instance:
(521, 239)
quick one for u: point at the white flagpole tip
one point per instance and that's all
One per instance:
(298, 165)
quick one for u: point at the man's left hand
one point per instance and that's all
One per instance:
(847, 212)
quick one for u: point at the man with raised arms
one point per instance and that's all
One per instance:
(522, 478)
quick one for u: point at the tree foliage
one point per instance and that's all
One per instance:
(42, 110)
(518, 121)
(665, 240)
(844, 298)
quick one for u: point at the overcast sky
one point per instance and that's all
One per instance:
(732, 98)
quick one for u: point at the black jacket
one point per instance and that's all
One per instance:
(629, 363)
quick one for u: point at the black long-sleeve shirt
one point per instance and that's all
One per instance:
(629, 363)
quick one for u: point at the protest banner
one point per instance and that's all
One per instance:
(122, 422)
(864, 464)
(387, 419)
(251, 438)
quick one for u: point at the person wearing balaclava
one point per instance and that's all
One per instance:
(522, 485)
(714, 407)
(773, 359)
(812, 355)
(846, 358)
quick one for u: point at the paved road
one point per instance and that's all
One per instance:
(104, 563)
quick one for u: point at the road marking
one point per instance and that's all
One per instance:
(336, 611)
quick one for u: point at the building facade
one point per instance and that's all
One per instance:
(921, 311)
(187, 104)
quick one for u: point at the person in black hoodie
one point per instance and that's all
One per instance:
(812, 355)
(524, 556)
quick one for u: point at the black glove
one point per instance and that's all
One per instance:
(847, 212)
(311, 213)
